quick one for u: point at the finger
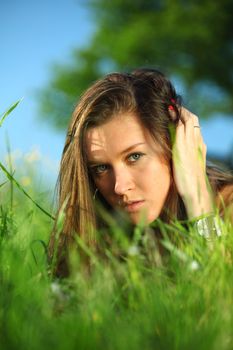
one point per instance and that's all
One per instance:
(197, 130)
(189, 117)
(193, 133)
(192, 126)
(189, 120)
(185, 114)
(198, 135)
(180, 129)
(201, 155)
(180, 135)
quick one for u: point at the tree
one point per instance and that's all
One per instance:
(190, 40)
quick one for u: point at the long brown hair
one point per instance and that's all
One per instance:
(145, 92)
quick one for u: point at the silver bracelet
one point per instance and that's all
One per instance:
(209, 227)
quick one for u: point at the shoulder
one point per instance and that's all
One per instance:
(224, 201)
(222, 184)
(226, 193)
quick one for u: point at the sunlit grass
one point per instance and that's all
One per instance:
(132, 299)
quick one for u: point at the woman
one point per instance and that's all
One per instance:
(131, 146)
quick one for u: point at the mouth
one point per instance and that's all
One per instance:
(133, 206)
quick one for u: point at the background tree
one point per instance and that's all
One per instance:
(190, 40)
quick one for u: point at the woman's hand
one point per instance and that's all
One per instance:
(189, 166)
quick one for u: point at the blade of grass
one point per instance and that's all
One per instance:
(11, 171)
(3, 117)
(3, 184)
(13, 180)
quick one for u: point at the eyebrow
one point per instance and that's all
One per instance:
(128, 149)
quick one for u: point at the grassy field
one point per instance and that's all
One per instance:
(183, 301)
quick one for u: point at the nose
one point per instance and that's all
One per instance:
(123, 182)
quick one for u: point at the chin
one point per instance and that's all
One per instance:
(142, 218)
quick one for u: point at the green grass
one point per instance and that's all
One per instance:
(183, 301)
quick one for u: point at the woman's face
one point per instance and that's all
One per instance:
(128, 168)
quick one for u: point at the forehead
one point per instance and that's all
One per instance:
(119, 133)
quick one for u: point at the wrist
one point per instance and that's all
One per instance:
(198, 204)
(208, 226)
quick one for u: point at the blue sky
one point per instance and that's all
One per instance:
(33, 36)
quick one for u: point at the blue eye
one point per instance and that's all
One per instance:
(99, 169)
(134, 157)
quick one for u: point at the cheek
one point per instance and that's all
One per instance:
(159, 189)
(158, 184)
(155, 175)
(165, 177)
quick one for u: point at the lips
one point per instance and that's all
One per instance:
(133, 206)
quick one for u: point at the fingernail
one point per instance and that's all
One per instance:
(171, 108)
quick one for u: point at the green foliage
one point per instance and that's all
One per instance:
(138, 300)
(190, 40)
(3, 117)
